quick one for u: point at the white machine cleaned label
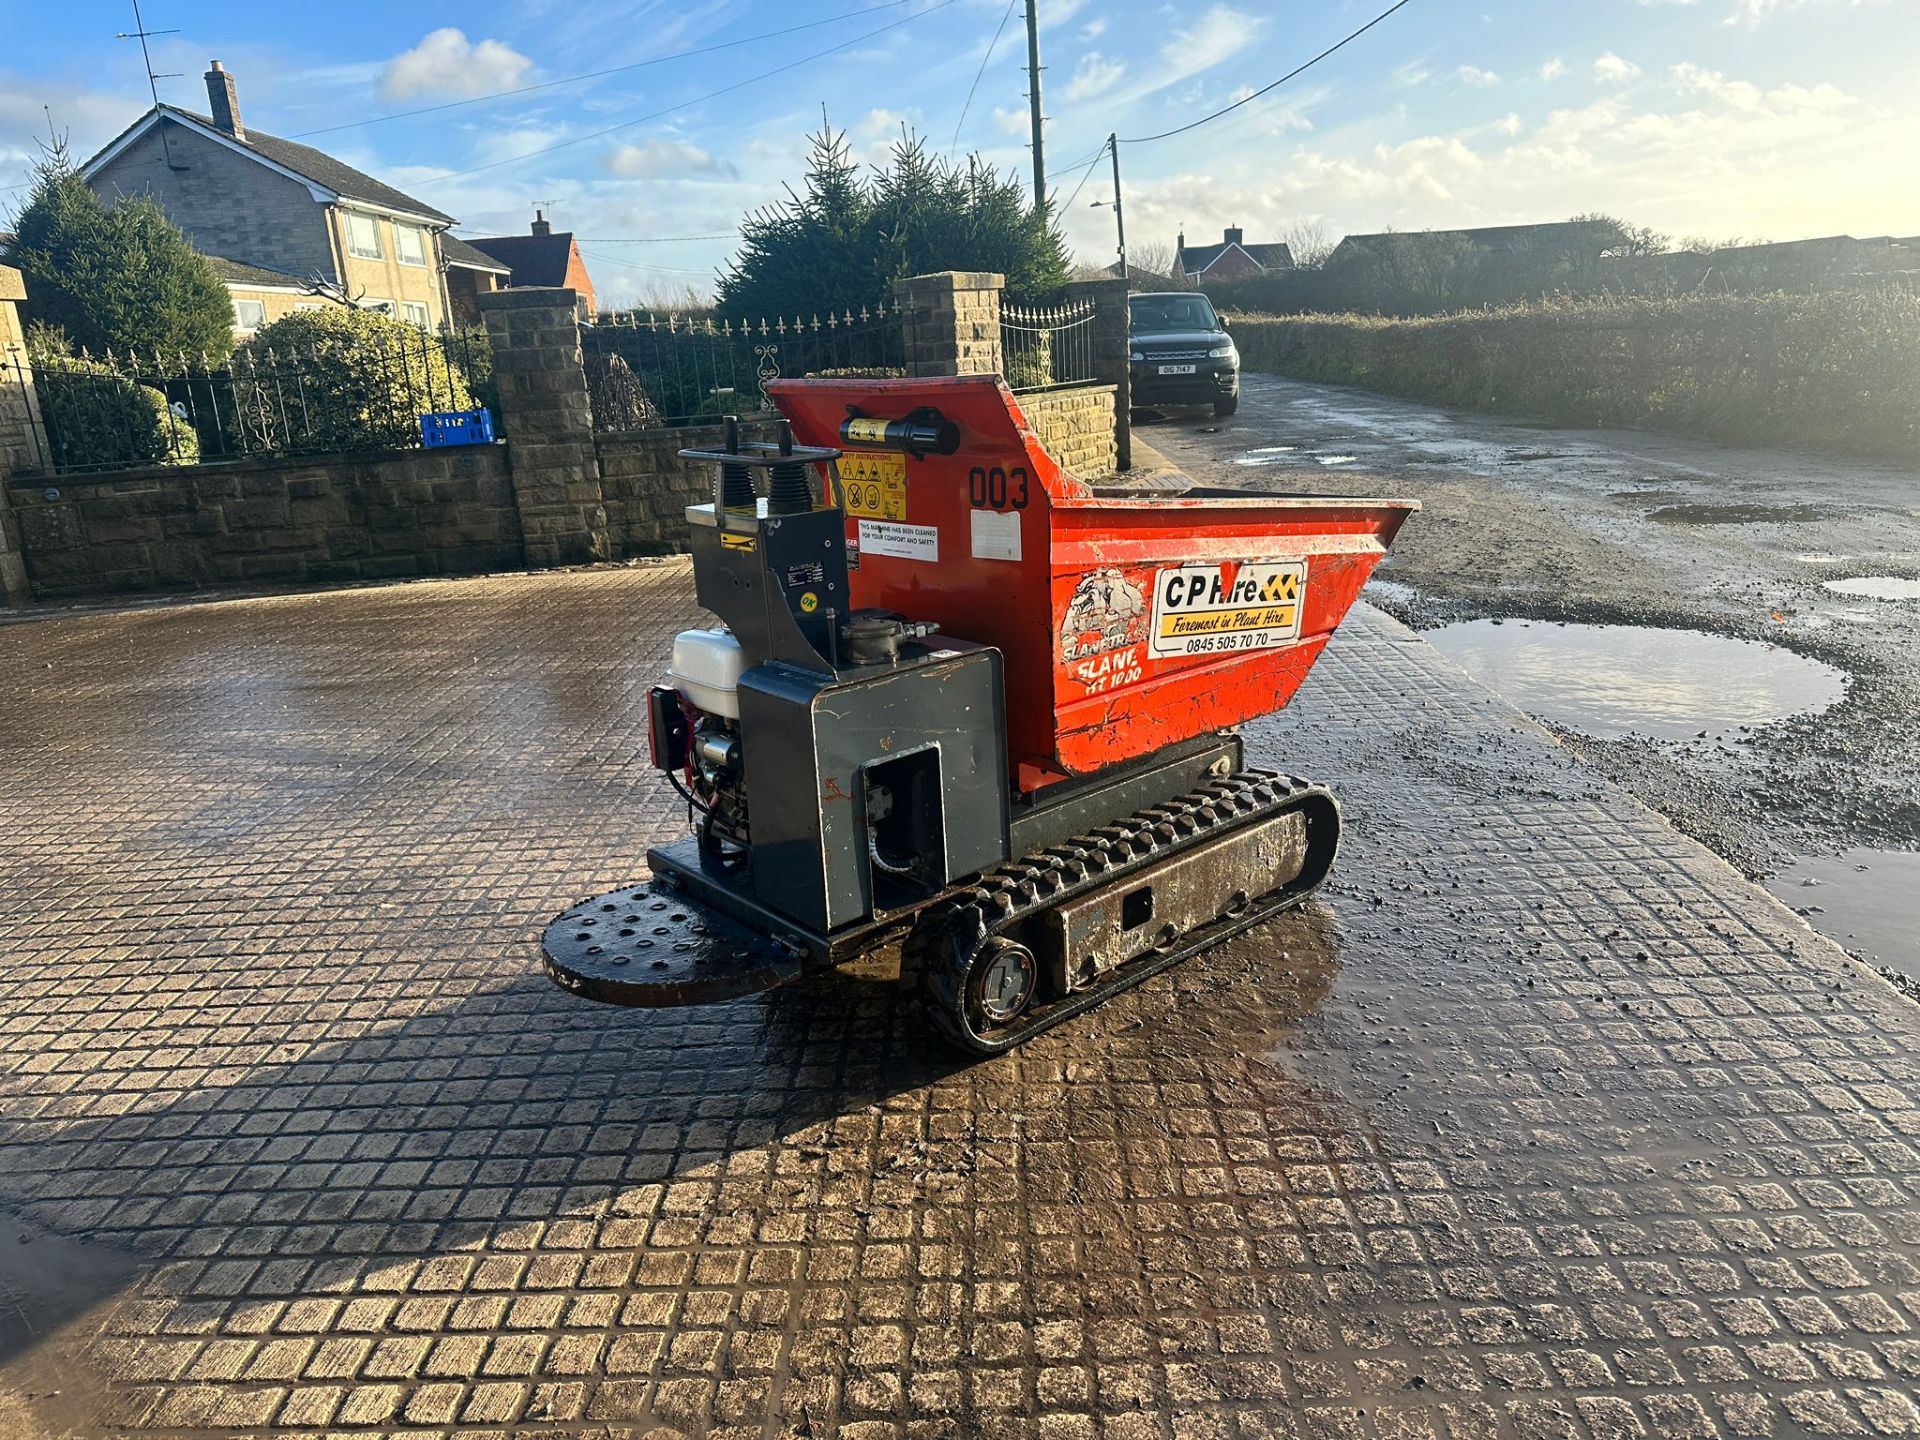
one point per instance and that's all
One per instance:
(1226, 608)
(903, 542)
(996, 534)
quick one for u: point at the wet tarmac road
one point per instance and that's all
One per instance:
(1543, 1123)
(1606, 528)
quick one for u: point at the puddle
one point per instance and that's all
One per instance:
(1265, 455)
(1395, 590)
(1820, 557)
(1614, 680)
(1866, 900)
(1877, 587)
(1740, 514)
(55, 1295)
(1336, 459)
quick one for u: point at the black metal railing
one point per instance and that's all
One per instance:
(1044, 346)
(132, 408)
(646, 370)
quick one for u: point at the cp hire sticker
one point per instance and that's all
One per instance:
(1223, 609)
(903, 542)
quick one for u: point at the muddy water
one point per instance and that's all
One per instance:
(1861, 898)
(1877, 587)
(1610, 681)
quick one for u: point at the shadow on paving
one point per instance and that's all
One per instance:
(1564, 1131)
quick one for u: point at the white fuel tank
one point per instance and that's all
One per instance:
(706, 669)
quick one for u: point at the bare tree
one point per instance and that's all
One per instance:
(1627, 241)
(1306, 239)
(1154, 257)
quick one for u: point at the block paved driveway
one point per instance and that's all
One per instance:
(1544, 1124)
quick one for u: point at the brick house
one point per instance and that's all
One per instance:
(284, 222)
(543, 256)
(1232, 259)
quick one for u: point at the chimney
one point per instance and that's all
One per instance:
(540, 225)
(1180, 243)
(223, 102)
(1235, 235)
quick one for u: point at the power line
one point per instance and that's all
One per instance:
(1247, 99)
(657, 239)
(992, 45)
(687, 104)
(638, 265)
(602, 74)
(1083, 179)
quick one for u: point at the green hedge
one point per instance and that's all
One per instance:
(1836, 370)
(95, 417)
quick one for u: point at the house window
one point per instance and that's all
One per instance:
(409, 243)
(384, 307)
(308, 305)
(363, 236)
(414, 313)
(249, 315)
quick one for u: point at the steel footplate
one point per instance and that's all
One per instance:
(951, 934)
(648, 946)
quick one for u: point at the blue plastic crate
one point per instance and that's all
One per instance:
(456, 427)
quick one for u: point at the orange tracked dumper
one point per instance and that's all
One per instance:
(959, 700)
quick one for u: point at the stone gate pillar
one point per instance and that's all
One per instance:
(952, 322)
(542, 380)
(19, 427)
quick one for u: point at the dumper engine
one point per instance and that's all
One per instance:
(957, 701)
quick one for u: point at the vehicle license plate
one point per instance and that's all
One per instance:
(1177, 369)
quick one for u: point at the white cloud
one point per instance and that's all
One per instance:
(1409, 74)
(661, 159)
(1552, 69)
(1611, 69)
(1474, 75)
(1221, 34)
(1011, 122)
(1094, 28)
(447, 63)
(1094, 75)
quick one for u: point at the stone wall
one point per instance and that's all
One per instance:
(647, 487)
(1076, 426)
(304, 519)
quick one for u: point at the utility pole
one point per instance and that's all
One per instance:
(1119, 223)
(1033, 105)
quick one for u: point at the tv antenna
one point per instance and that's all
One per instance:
(140, 33)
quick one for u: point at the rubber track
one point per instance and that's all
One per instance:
(948, 935)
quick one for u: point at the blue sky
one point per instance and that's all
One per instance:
(1754, 118)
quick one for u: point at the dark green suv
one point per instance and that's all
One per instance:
(1180, 353)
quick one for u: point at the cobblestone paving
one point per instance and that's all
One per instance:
(1544, 1124)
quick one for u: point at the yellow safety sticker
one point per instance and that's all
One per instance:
(874, 486)
(736, 542)
(864, 432)
(809, 602)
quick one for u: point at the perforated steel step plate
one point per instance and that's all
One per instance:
(646, 945)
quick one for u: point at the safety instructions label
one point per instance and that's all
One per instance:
(874, 485)
(903, 542)
(1226, 608)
